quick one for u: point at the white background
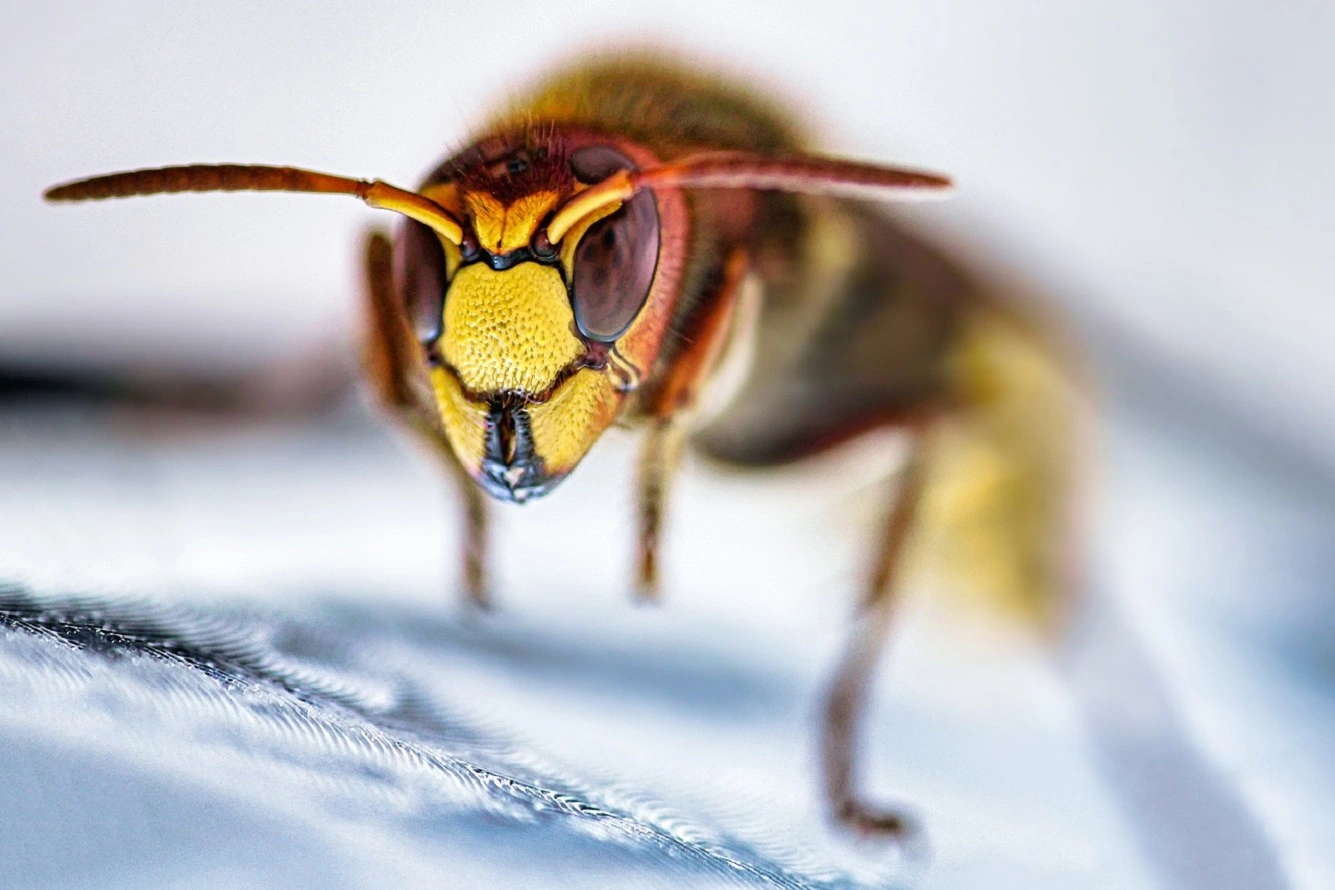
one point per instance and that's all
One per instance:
(1167, 164)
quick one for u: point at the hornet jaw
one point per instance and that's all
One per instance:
(511, 470)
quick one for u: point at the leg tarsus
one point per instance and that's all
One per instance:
(844, 706)
(865, 821)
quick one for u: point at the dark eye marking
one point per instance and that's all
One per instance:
(420, 262)
(616, 258)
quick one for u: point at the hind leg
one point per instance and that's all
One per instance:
(846, 701)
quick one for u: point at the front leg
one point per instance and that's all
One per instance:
(398, 377)
(660, 454)
(476, 515)
(669, 408)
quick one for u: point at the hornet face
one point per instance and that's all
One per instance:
(533, 347)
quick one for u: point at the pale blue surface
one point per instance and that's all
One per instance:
(348, 738)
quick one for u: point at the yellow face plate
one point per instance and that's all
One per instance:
(510, 331)
(566, 426)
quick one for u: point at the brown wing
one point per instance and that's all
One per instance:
(854, 333)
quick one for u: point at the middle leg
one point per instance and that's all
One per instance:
(669, 409)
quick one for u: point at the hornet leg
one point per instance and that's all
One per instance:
(846, 700)
(401, 387)
(670, 408)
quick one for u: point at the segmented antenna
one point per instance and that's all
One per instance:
(741, 170)
(810, 175)
(258, 178)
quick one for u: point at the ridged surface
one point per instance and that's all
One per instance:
(307, 706)
(317, 706)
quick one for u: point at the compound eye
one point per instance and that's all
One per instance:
(617, 255)
(420, 262)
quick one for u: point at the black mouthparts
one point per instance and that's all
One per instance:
(511, 471)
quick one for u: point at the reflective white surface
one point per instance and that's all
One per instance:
(1186, 716)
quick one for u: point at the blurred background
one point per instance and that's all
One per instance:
(1158, 171)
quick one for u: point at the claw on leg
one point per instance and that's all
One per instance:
(844, 707)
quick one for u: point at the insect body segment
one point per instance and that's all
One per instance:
(587, 259)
